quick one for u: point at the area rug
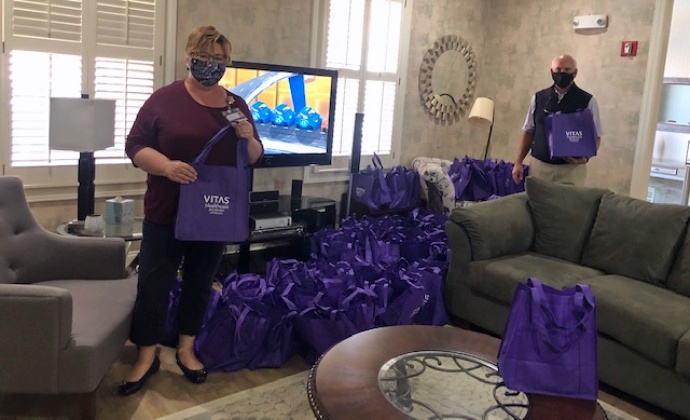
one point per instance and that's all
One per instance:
(284, 399)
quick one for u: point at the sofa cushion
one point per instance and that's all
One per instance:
(679, 278)
(683, 358)
(563, 217)
(498, 278)
(497, 227)
(644, 317)
(635, 238)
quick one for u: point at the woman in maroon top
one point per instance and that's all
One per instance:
(170, 130)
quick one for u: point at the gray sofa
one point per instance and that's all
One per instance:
(65, 305)
(636, 256)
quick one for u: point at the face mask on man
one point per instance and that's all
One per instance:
(562, 79)
(208, 73)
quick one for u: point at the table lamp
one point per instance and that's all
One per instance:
(483, 113)
(83, 125)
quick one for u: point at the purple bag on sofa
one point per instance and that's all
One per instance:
(215, 207)
(549, 343)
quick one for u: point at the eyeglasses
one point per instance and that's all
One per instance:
(216, 58)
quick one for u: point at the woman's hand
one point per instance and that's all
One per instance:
(180, 172)
(243, 129)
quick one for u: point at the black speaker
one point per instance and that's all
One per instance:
(356, 144)
(296, 191)
(354, 159)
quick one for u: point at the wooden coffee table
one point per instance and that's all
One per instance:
(344, 383)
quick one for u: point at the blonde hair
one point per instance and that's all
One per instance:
(202, 38)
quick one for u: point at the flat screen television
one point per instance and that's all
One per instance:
(292, 107)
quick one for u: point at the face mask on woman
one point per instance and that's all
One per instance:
(208, 73)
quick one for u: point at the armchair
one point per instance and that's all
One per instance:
(65, 305)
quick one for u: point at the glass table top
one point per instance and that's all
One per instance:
(443, 384)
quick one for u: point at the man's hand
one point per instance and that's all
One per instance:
(518, 173)
(577, 160)
(180, 172)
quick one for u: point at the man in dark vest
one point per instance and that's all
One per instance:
(566, 97)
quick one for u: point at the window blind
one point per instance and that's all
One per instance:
(53, 52)
(363, 44)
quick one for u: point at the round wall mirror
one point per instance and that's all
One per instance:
(447, 79)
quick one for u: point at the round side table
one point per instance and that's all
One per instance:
(345, 382)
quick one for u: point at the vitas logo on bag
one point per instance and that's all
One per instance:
(574, 136)
(216, 204)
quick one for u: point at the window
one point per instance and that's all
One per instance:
(363, 41)
(107, 49)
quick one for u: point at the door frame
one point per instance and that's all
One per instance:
(651, 98)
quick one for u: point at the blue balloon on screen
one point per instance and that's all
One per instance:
(284, 115)
(308, 119)
(261, 112)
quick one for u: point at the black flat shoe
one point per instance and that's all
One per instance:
(195, 376)
(129, 388)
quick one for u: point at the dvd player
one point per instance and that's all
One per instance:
(269, 221)
(290, 232)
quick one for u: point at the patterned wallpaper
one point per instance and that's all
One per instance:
(519, 65)
(422, 135)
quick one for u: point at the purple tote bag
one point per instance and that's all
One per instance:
(572, 135)
(369, 187)
(549, 345)
(215, 207)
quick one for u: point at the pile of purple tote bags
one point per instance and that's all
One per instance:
(481, 180)
(368, 273)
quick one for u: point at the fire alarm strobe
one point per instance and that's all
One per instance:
(590, 22)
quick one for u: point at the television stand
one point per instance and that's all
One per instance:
(309, 214)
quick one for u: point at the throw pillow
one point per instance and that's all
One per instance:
(635, 238)
(563, 217)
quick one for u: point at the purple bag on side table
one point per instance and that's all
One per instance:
(549, 344)
(215, 207)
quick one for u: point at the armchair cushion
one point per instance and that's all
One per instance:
(101, 318)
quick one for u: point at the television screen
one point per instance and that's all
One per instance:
(292, 107)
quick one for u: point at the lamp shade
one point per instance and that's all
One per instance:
(82, 125)
(482, 111)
